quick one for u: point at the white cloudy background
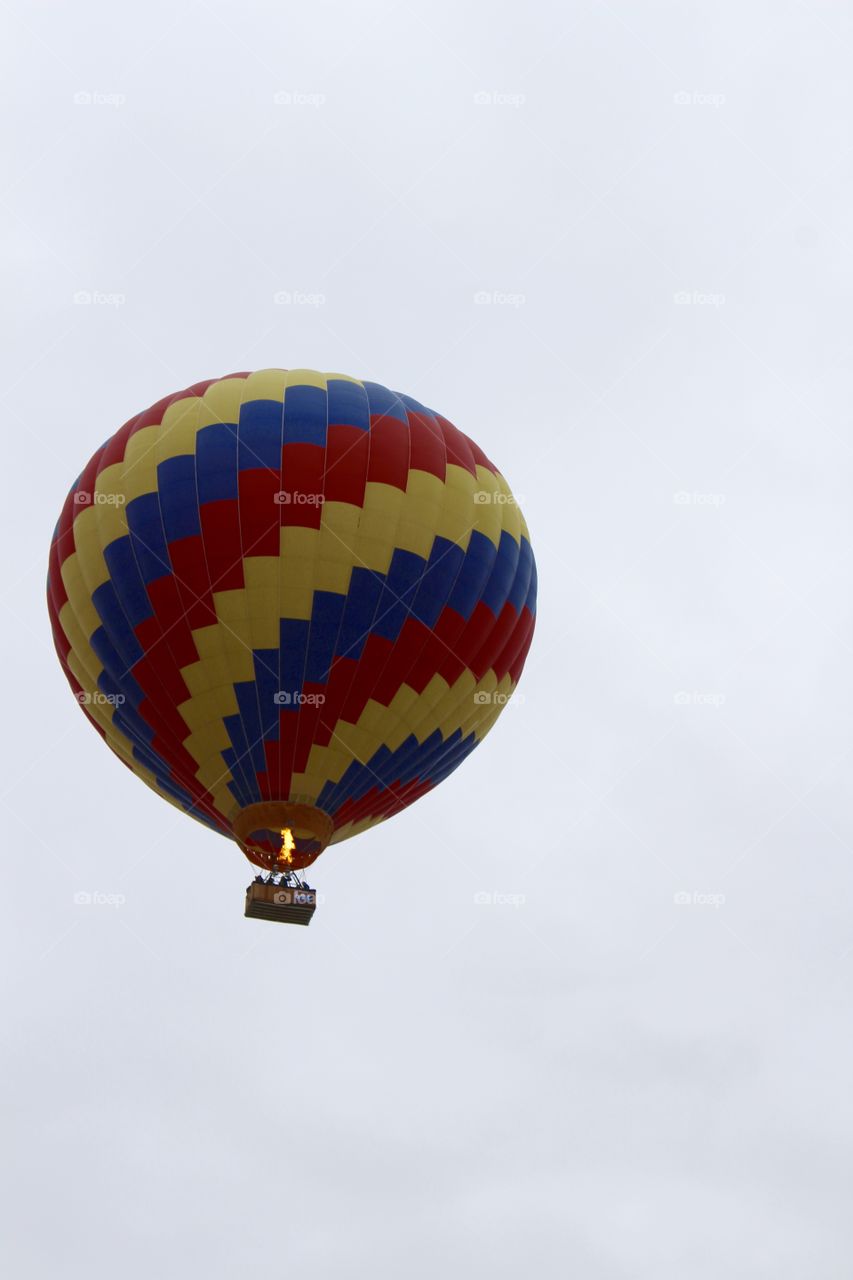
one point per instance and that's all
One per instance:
(635, 1059)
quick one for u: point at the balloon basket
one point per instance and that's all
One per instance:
(285, 903)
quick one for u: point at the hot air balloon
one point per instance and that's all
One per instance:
(291, 603)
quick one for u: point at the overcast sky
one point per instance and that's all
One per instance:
(611, 242)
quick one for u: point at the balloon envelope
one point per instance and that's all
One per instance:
(288, 598)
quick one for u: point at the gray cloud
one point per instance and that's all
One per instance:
(611, 242)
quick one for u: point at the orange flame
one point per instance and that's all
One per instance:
(288, 844)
